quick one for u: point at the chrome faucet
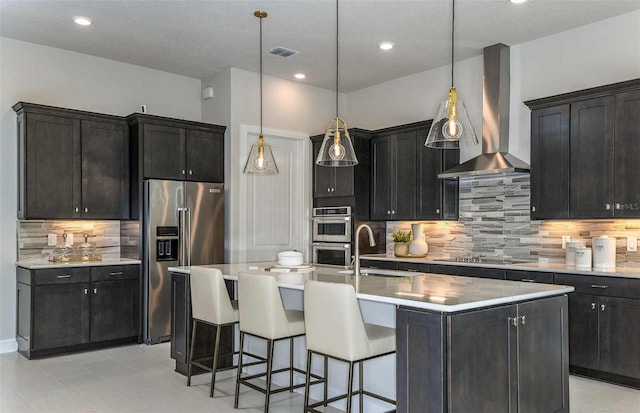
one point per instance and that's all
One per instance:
(372, 242)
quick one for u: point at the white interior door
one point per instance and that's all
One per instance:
(276, 216)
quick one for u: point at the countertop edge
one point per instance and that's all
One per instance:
(42, 265)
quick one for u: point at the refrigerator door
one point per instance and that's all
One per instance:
(164, 201)
(204, 233)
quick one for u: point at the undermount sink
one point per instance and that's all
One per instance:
(382, 273)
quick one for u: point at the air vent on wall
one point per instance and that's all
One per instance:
(283, 51)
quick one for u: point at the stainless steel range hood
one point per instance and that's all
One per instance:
(495, 157)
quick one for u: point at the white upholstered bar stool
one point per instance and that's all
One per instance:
(210, 304)
(262, 315)
(335, 328)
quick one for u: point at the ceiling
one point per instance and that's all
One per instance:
(201, 38)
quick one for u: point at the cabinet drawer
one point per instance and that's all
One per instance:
(530, 276)
(413, 266)
(61, 276)
(606, 286)
(383, 265)
(465, 271)
(116, 272)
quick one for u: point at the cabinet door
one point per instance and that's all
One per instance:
(543, 364)
(382, 178)
(627, 154)
(52, 173)
(180, 320)
(406, 176)
(429, 186)
(550, 162)
(323, 176)
(343, 183)
(619, 336)
(105, 170)
(482, 361)
(592, 167)
(164, 156)
(114, 309)
(60, 315)
(583, 330)
(205, 156)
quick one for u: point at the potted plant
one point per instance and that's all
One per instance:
(401, 239)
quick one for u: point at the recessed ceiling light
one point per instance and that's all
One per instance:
(299, 75)
(517, 1)
(386, 45)
(82, 21)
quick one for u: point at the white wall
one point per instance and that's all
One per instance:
(604, 52)
(46, 75)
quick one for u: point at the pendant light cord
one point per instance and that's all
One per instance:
(261, 76)
(453, 24)
(337, 59)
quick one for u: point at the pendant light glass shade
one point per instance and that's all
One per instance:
(260, 160)
(451, 126)
(337, 148)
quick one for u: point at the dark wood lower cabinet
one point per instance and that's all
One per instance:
(76, 308)
(181, 328)
(512, 358)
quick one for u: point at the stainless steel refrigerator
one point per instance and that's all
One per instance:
(182, 224)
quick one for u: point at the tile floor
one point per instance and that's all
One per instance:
(140, 378)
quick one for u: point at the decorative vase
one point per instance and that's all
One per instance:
(418, 245)
(401, 249)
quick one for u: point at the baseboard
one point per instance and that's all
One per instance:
(8, 346)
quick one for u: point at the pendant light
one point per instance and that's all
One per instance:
(451, 125)
(260, 160)
(337, 149)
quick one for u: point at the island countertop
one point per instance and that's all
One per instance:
(436, 292)
(45, 264)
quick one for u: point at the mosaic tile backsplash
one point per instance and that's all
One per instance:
(494, 225)
(105, 235)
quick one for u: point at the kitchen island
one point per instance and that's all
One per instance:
(463, 344)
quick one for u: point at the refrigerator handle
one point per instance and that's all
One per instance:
(188, 241)
(181, 256)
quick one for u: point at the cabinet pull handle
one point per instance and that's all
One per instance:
(86, 291)
(607, 207)
(602, 307)
(95, 291)
(60, 277)
(513, 321)
(593, 306)
(412, 270)
(116, 273)
(528, 280)
(523, 319)
(598, 286)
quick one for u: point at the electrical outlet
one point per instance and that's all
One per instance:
(69, 242)
(632, 244)
(565, 239)
(52, 240)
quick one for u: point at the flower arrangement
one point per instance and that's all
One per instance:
(401, 236)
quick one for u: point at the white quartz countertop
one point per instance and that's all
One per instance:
(437, 292)
(625, 272)
(44, 264)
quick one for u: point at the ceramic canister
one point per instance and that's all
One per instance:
(604, 252)
(583, 257)
(570, 256)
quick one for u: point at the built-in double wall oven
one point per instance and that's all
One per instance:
(332, 229)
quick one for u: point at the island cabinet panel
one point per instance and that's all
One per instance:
(603, 327)
(77, 308)
(182, 325)
(481, 272)
(490, 360)
(72, 164)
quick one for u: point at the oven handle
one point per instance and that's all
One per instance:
(334, 246)
(331, 220)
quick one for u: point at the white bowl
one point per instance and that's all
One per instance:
(287, 254)
(290, 261)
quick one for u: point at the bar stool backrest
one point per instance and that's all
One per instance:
(261, 310)
(333, 322)
(210, 300)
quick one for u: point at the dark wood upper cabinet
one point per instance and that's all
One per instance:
(330, 182)
(404, 175)
(163, 152)
(382, 177)
(203, 150)
(72, 164)
(436, 198)
(585, 153)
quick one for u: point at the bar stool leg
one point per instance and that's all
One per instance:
(214, 366)
(361, 379)
(235, 403)
(193, 339)
(350, 387)
(291, 365)
(308, 379)
(326, 380)
(269, 369)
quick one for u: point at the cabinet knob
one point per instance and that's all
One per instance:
(602, 307)
(190, 172)
(607, 207)
(388, 212)
(86, 291)
(333, 190)
(593, 306)
(183, 172)
(95, 291)
(77, 209)
(437, 210)
(86, 210)
(523, 319)
(513, 321)
(617, 206)
(328, 189)
(533, 209)
(393, 211)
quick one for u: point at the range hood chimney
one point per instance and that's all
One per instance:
(495, 157)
